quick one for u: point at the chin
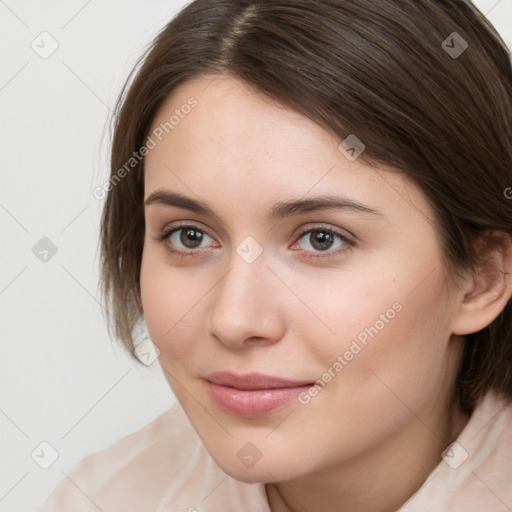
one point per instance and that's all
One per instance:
(265, 470)
(250, 477)
(260, 475)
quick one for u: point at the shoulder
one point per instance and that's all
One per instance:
(101, 472)
(476, 471)
(162, 466)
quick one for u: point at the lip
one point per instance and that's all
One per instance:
(253, 394)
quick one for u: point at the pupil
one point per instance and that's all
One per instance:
(191, 238)
(322, 240)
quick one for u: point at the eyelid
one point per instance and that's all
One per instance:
(342, 233)
(181, 225)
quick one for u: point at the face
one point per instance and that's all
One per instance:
(332, 320)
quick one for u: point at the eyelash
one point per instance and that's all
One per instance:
(348, 243)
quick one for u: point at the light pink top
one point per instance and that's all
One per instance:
(164, 467)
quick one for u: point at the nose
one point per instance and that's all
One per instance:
(246, 305)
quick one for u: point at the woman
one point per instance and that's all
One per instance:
(308, 209)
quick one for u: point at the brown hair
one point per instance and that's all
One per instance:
(380, 69)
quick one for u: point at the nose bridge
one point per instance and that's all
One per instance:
(243, 306)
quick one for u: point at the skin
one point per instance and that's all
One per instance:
(372, 435)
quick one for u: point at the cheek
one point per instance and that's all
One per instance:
(391, 349)
(386, 336)
(172, 299)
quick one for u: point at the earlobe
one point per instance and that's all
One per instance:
(490, 289)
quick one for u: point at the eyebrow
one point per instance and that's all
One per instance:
(277, 212)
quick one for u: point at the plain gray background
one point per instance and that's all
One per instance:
(63, 381)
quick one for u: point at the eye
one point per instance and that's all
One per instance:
(186, 238)
(317, 242)
(320, 240)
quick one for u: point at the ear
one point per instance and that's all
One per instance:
(487, 292)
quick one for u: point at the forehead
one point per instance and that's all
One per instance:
(229, 114)
(237, 143)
